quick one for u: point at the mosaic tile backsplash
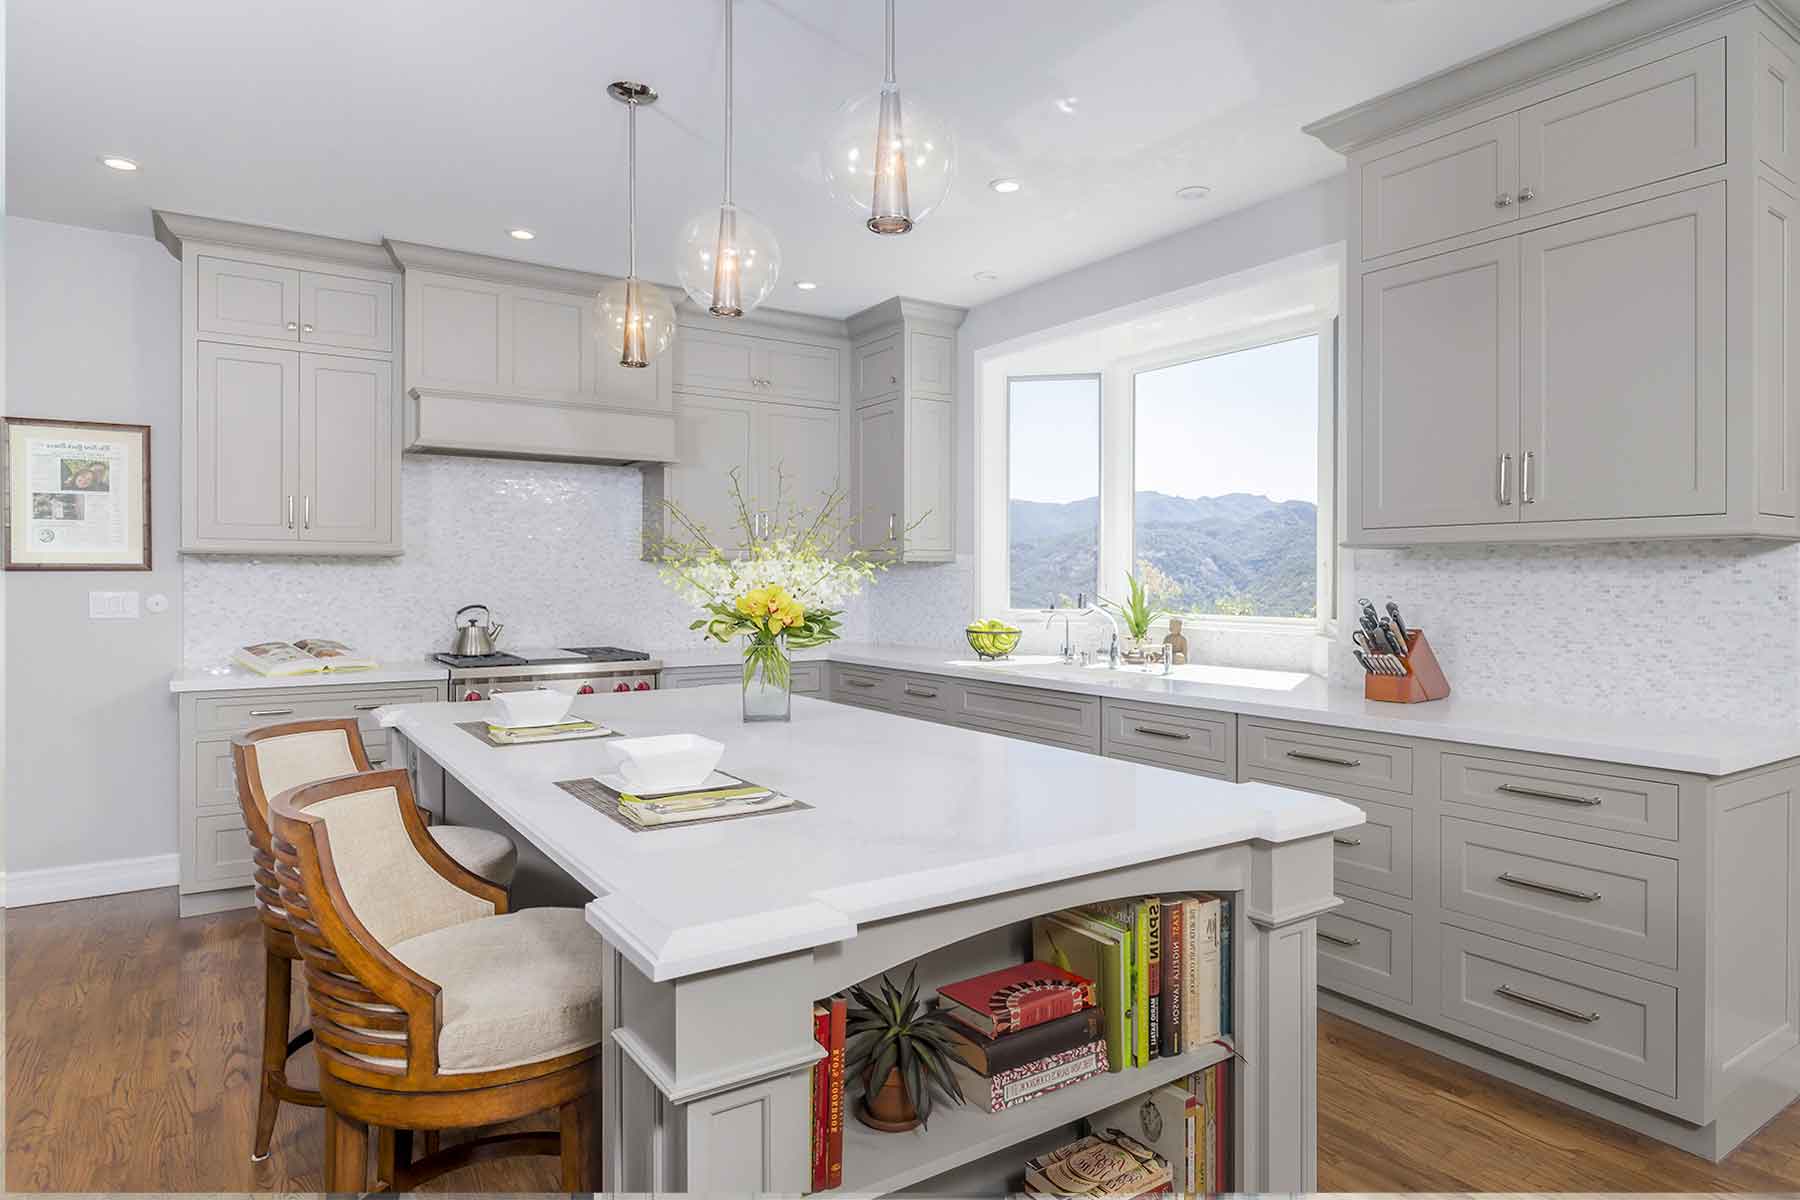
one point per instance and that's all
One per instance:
(551, 548)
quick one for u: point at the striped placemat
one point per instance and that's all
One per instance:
(479, 730)
(603, 799)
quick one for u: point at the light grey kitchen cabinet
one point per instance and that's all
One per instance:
(1439, 433)
(291, 425)
(807, 678)
(905, 449)
(1640, 386)
(716, 360)
(714, 436)
(798, 454)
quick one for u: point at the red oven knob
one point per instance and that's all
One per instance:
(586, 689)
(473, 696)
(643, 686)
(623, 687)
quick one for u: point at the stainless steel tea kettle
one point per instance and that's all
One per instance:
(472, 637)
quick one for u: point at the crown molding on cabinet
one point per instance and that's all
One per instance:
(899, 308)
(173, 229)
(1586, 39)
(412, 256)
(771, 322)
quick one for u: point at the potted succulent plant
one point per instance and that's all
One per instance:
(899, 1049)
(1137, 614)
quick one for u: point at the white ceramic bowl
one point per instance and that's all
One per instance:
(539, 706)
(672, 760)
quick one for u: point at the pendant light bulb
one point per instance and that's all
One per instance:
(727, 261)
(901, 176)
(635, 317)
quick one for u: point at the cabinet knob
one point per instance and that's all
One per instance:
(306, 329)
(893, 379)
(1525, 194)
(293, 324)
(1503, 200)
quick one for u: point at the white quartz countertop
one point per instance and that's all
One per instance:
(905, 815)
(1692, 744)
(223, 678)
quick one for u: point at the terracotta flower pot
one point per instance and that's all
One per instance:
(888, 1108)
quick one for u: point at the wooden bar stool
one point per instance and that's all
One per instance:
(270, 760)
(433, 1007)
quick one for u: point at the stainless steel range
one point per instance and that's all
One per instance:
(580, 669)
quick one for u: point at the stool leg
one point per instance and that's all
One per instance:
(346, 1154)
(581, 1144)
(393, 1154)
(277, 1002)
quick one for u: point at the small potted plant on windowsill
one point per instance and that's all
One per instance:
(1137, 614)
(899, 1050)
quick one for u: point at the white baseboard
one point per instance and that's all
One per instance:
(21, 889)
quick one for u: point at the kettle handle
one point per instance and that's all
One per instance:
(470, 608)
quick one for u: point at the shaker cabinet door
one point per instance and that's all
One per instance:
(347, 459)
(879, 441)
(930, 495)
(1451, 185)
(245, 448)
(1439, 415)
(1623, 377)
(714, 435)
(792, 371)
(798, 452)
(339, 310)
(246, 299)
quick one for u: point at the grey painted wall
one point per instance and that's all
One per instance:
(93, 323)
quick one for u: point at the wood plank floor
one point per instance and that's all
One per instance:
(130, 1056)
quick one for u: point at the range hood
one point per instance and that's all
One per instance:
(500, 360)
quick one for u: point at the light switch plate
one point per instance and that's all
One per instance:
(113, 606)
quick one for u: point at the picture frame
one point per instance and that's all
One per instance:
(75, 495)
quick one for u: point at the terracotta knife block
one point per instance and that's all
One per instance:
(1424, 679)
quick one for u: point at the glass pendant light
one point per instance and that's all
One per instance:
(899, 178)
(728, 261)
(635, 317)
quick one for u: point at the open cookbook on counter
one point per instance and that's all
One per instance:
(307, 656)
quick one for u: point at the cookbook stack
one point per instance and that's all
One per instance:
(1025, 1031)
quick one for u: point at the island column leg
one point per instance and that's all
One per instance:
(1277, 1015)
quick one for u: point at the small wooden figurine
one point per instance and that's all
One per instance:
(1177, 641)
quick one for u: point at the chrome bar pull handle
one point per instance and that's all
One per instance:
(1153, 731)
(921, 693)
(1516, 789)
(1525, 493)
(1332, 759)
(1346, 841)
(1554, 889)
(270, 712)
(290, 521)
(306, 511)
(1550, 1006)
(1339, 940)
(1505, 480)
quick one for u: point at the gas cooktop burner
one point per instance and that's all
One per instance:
(463, 661)
(608, 653)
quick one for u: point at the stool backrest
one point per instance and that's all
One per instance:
(275, 758)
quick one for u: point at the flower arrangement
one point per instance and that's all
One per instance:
(784, 590)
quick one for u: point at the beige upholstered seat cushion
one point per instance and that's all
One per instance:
(519, 988)
(295, 758)
(390, 887)
(488, 854)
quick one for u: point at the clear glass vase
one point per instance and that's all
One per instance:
(768, 680)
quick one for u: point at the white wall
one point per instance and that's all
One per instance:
(93, 323)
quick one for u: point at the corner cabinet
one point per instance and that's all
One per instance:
(290, 419)
(904, 432)
(1571, 308)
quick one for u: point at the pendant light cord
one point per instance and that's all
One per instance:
(631, 187)
(728, 100)
(890, 41)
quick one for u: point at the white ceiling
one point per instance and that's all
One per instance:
(451, 121)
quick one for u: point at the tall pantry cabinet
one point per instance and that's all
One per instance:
(290, 415)
(1572, 302)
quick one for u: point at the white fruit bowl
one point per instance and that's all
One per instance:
(673, 760)
(536, 706)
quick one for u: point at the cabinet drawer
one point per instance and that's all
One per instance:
(1060, 717)
(1655, 122)
(254, 710)
(1377, 854)
(221, 850)
(1317, 754)
(1612, 1023)
(859, 685)
(926, 696)
(215, 777)
(1364, 947)
(808, 679)
(1599, 896)
(1174, 737)
(878, 368)
(1646, 806)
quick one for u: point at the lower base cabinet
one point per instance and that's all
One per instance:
(808, 678)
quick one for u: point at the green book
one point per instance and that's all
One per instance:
(1093, 949)
(1121, 915)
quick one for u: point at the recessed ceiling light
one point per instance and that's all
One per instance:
(986, 276)
(805, 285)
(1067, 104)
(1196, 191)
(117, 163)
(1004, 186)
(522, 235)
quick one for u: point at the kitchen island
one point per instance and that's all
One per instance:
(917, 843)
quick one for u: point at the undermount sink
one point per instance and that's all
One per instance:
(1243, 677)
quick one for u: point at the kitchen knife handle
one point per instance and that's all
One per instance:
(1505, 480)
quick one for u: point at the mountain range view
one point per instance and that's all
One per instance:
(1240, 554)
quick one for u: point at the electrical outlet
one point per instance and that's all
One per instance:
(113, 606)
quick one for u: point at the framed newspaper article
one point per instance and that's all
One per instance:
(77, 495)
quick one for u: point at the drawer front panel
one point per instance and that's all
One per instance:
(1646, 806)
(859, 685)
(926, 696)
(221, 850)
(808, 679)
(1599, 896)
(273, 707)
(1616, 1024)
(215, 778)
(1200, 740)
(1366, 947)
(1377, 854)
(1061, 717)
(1334, 759)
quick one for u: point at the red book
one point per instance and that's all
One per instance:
(840, 1012)
(821, 1100)
(1015, 998)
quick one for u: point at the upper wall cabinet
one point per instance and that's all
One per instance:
(1570, 310)
(718, 361)
(291, 424)
(502, 358)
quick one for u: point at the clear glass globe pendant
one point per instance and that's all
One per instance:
(901, 176)
(634, 317)
(728, 262)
